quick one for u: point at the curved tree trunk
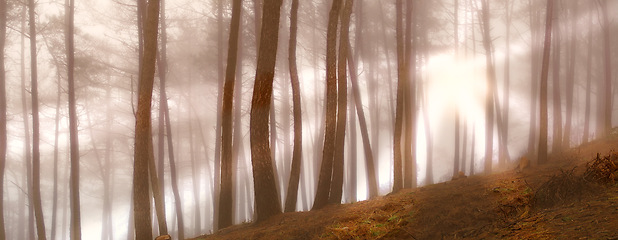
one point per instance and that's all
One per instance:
(267, 201)
(292, 195)
(326, 168)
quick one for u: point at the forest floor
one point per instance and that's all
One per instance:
(551, 201)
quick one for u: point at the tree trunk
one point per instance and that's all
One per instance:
(326, 168)
(336, 190)
(143, 139)
(217, 164)
(586, 136)
(168, 127)
(542, 155)
(70, 51)
(3, 135)
(290, 200)
(535, 37)
(607, 111)
(504, 128)
(556, 102)
(409, 165)
(401, 85)
(225, 198)
(489, 98)
(27, 145)
(266, 198)
(36, 154)
(570, 79)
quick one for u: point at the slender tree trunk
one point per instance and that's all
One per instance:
(504, 128)
(607, 111)
(586, 136)
(570, 78)
(27, 149)
(326, 169)
(535, 38)
(266, 197)
(457, 121)
(217, 164)
(556, 102)
(292, 194)
(70, 51)
(168, 127)
(542, 155)
(56, 136)
(401, 85)
(489, 98)
(409, 165)
(143, 139)
(472, 151)
(336, 190)
(36, 154)
(225, 197)
(3, 134)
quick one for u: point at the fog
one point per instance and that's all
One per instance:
(448, 77)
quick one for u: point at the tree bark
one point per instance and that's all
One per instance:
(225, 198)
(489, 98)
(217, 164)
(542, 155)
(143, 139)
(607, 111)
(3, 134)
(162, 60)
(556, 101)
(326, 168)
(570, 78)
(586, 136)
(292, 195)
(36, 154)
(70, 52)
(267, 201)
(409, 157)
(336, 190)
(401, 85)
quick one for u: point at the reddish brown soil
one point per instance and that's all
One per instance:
(497, 206)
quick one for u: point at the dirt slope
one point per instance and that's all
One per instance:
(498, 206)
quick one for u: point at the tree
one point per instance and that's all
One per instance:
(162, 60)
(556, 101)
(570, 77)
(607, 110)
(401, 85)
(290, 200)
(586, 136)
(225, 197)
(336, 189)
(36, 154)
(491, 75)
(326, 168)
(70, 52)
(3, 135)
(542, 155)
(267, 202)
(143, 139)
(410, 105)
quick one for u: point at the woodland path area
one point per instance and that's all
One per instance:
(498, 206)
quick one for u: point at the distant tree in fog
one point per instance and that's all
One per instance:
(3, 135)
(542, 155)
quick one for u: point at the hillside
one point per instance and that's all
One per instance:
(509, 205)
